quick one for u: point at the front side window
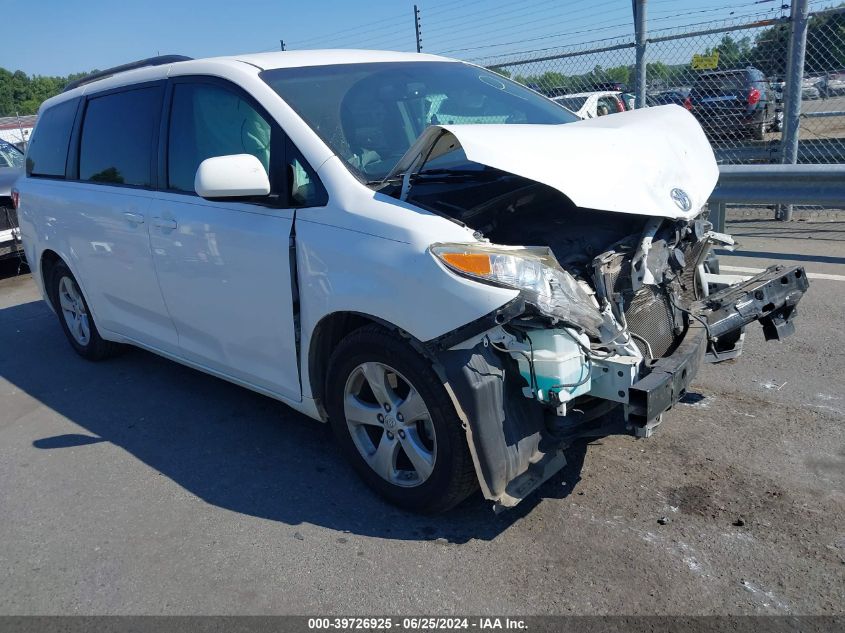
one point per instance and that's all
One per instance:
(370, 114)
(47, 152)
(117, 137)
(208, 121)
(305, 189)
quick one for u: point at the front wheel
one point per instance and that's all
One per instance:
(396, 424)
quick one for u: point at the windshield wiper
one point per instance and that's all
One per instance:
(446, 175)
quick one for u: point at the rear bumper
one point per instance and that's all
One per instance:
(734, 122)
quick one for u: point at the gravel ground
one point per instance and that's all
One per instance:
(137, 486)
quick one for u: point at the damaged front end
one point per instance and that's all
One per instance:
(606, 351)
(616, 310)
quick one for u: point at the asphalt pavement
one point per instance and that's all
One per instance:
(138, 486)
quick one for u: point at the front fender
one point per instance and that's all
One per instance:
(342, 270)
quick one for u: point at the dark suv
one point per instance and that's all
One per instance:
(733, 102)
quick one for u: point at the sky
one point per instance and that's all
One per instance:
(58, 37)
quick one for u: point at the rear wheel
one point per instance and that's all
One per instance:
(396, 424)
(75, 316)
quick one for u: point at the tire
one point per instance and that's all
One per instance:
(374, 355)
(81, 332)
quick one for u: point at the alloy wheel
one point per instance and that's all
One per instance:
(390, 424)
(73, 311)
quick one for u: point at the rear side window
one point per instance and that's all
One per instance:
(718, 85)
(47, 153)
(117, 137)
(208, 121)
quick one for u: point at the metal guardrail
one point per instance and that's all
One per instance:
(822, 115)
(776, 184)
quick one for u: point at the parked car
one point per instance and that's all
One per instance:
(460, 301)
(810, 89)
(610, 86)
(832, 84)
(733, 102)
(589, 105)
(11, 167)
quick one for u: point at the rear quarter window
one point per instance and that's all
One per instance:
(48, 148)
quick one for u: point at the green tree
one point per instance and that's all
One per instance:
(732, 53)
(825, 46)
(769, 51)
(23, 94)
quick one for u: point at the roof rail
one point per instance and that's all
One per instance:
(161, 60)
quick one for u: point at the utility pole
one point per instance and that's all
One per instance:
(282, 44)
(792, 89)
(20, 129)
(640, 39)
(417, 27)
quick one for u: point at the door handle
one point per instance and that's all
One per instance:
(134, 218)
(164, 223)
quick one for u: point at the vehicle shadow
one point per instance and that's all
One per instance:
(229, 446)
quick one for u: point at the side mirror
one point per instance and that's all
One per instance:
(231, 176)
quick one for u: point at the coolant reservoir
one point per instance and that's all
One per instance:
(557, 360)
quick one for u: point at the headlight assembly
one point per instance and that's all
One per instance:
(531, 269)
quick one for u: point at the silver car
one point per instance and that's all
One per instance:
(11, 166)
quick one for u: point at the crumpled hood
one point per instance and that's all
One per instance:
(631, 162)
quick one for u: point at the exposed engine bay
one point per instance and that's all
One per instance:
(616, 314)
(641, 271)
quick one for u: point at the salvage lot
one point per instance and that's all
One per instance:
(140, 486)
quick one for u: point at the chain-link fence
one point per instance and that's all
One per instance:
(822, 129)
(730, 74)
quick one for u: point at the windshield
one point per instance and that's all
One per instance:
(370, 114)
(572, 103)
(10, 156)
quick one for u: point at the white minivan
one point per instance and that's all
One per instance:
(451, 269)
